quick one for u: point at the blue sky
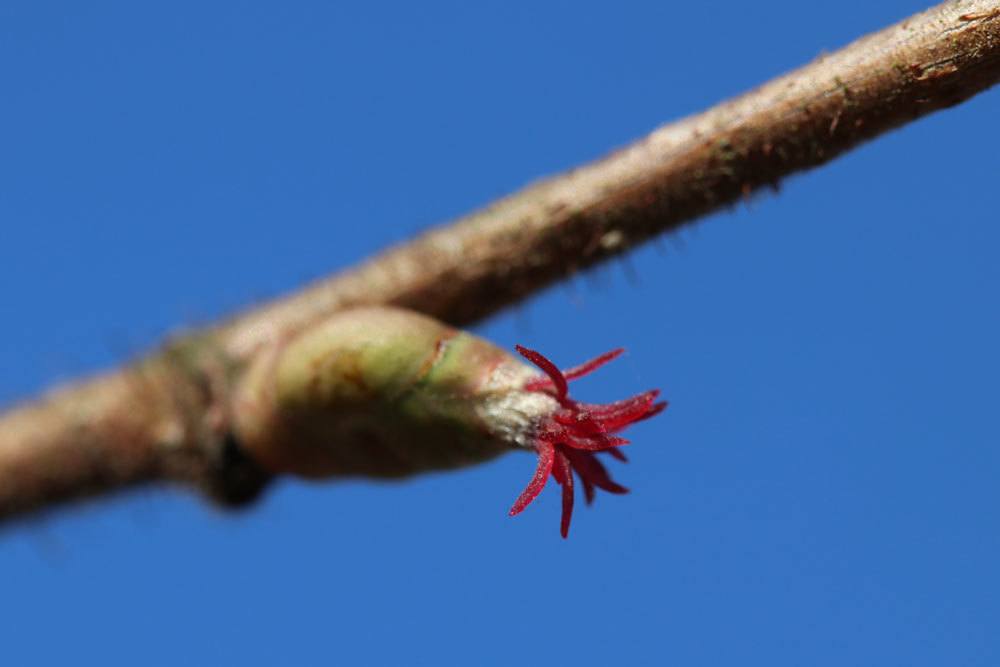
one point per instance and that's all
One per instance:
(821, 491)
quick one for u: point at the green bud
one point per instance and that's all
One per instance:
(384, 392)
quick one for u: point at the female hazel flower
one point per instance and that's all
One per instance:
(568, 438)
(386, 392)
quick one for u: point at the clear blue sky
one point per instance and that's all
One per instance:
(822, 491)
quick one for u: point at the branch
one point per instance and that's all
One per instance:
(495, 257)
(168, 418)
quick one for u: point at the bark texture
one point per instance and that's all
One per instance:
(495, 257)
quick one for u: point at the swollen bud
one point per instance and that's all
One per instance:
(385, 392)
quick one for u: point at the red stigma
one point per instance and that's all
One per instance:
(568, 440)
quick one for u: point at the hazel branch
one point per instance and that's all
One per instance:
(169, 418)
(495, 257)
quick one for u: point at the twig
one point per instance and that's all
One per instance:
(166, 419)
(495, 257)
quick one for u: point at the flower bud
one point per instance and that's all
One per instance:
(385, 392)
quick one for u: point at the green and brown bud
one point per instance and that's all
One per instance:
(385, 392)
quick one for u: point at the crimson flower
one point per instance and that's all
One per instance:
(568, 439)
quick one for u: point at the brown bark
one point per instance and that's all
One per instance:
(497, 256)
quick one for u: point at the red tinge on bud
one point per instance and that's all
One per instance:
(567, 440)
